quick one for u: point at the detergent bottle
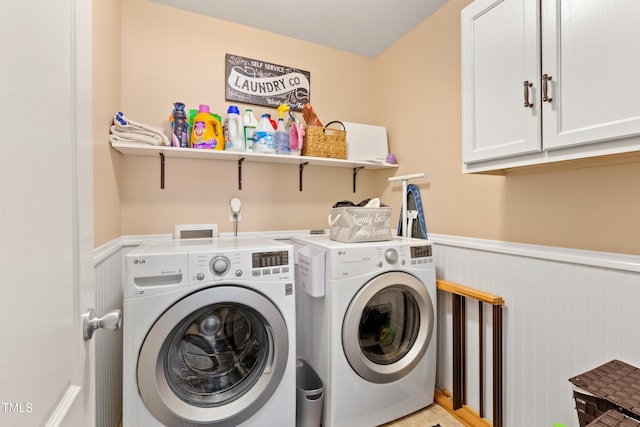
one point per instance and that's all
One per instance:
(179, 126)
(233, 130)
(282, 136)
(264, 139)
(206, 131)
(250, 124)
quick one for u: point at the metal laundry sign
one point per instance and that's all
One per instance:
(262, 83)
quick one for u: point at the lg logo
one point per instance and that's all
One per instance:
(138, 261)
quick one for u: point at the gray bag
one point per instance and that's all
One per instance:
(351, 224)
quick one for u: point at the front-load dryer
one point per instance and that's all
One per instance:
(372, 336)
(209, 334)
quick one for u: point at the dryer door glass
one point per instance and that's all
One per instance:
(389, 325)
(216, 354)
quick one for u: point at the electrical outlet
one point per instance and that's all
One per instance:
(235, 207)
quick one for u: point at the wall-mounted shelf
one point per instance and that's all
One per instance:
(132, 149)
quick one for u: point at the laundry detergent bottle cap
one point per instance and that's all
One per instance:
(234, 130)
(206, 130)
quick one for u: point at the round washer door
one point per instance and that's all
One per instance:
(387, 327)
(213, 358)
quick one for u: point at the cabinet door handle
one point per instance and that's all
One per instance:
(527, 85)
(545, 88)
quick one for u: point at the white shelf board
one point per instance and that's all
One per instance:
(132, 149)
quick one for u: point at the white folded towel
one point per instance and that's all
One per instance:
(125, 130)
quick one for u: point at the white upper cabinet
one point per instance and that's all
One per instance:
(591, 49)
(548, 81)
(501, 71)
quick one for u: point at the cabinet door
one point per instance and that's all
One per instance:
(500, 51)
(591, 49)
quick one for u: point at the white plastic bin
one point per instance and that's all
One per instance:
(309, 395)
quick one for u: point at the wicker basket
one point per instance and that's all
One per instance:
(614, 385)
(591, 407)
(613, 418)
(325, 142)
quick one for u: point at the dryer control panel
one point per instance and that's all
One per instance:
(246, 265)
(353, 260)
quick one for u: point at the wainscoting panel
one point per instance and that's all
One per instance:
(566, 312)
(109, 274)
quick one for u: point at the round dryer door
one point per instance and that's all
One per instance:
(387, 327)
(213, 358)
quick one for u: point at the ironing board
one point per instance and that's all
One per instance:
(417, 226)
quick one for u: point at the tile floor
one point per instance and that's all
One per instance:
(428, 417)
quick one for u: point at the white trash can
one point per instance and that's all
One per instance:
(309, 395)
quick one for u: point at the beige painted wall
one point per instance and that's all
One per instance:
(171, 55)
(413, 88)
(106, 101)
(418, 87)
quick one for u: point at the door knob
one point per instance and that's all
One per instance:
(90, 322)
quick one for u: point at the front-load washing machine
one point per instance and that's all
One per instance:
(372, 336)
(209, 334)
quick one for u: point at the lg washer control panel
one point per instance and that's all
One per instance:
(247, 265)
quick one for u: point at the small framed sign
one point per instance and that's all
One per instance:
(252, 81)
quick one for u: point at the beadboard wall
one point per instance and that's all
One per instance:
(108, 274)
(108, 262)
(566, 311)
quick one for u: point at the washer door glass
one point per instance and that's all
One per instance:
(216, 354)
(213, 358)
(387, 327)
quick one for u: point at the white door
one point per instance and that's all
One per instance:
(46, 219)
(590, 50)
(500, 73)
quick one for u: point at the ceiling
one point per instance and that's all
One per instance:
(363, 27)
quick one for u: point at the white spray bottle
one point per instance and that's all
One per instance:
(282, 136)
